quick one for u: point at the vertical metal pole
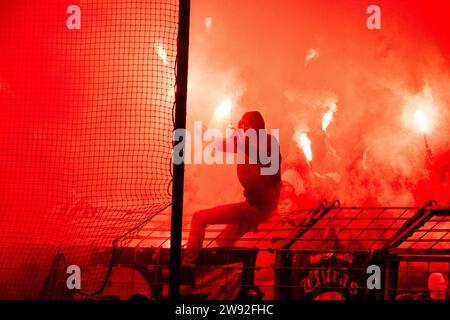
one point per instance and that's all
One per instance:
(178, 169)
(390, 285)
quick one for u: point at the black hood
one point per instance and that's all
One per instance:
(255, 119)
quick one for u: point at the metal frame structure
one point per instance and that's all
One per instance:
(390, 235)
(407, 222)
(178, 169)
(393, 253)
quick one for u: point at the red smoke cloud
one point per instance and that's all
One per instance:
(254, 52)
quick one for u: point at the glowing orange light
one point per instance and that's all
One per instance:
(328, 116)
(223, 110)
(311, 54)
(171, 92)
(208, 23)
(304, 143)
(421, 119)
(161, 53)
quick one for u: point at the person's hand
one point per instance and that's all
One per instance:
(240, 134)
(229, 132)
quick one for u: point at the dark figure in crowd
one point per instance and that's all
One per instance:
(437, 289)
(261, 193)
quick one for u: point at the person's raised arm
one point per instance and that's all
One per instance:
(229, 144)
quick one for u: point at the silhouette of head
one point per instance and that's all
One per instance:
(437, 286)
(252, 119)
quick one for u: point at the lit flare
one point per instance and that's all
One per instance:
(223, 111)
(304, 143)
(328, 116)
(162, 53)
(311, 54)
(421, 119)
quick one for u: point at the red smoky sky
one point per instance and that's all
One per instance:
(253, 53)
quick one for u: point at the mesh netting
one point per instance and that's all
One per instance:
(85, 136)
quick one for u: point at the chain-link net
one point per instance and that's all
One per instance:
(85, 136)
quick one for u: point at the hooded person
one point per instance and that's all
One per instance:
(261, 190)
(292, 188)
(437, 286)
(437, 289)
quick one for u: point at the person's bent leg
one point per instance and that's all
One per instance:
(240, 213)
(196, 237)
(230, 235)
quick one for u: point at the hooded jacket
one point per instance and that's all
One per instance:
(261, 191)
